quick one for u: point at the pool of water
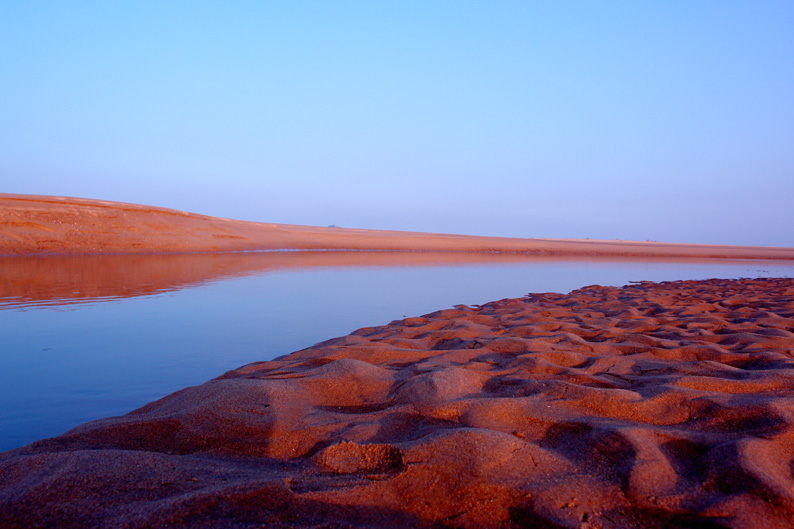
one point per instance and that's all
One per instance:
(90, 337)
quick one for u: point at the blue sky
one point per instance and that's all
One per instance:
(659, 120)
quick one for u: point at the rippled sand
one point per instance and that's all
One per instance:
(652, 405)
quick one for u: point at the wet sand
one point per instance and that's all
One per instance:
(44, 225)
(652, 405)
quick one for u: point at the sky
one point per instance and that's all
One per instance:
(655, 120)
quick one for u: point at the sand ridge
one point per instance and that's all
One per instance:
(652, 405)
(45, 225)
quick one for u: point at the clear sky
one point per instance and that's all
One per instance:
(664, 120)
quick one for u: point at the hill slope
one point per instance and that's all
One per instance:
(40, 225)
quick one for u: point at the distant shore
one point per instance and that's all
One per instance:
(52, 225)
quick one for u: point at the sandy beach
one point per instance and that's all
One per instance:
(452, 265)
(652, 405)
(46, 225)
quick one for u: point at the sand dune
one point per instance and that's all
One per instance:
(649, 406)
(36, 225)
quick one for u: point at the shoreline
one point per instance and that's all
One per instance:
(649, 405)
(48, 225)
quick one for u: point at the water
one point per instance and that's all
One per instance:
(88, 337)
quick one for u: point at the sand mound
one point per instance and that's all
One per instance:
(47, 225)
(648, 406)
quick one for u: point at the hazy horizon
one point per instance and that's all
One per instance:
(669, 121)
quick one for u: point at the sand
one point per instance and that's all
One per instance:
(45, 225)
(649, 406)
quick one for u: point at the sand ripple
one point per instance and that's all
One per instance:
(652, 405)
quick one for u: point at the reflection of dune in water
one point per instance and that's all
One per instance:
(66, 280)
(62, 280)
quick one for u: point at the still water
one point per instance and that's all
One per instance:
(88, 337)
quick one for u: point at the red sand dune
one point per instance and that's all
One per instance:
(664, 405)
(32, 225)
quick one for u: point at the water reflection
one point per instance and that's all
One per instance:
(62, 280)
(29, 282)
(111, 333)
